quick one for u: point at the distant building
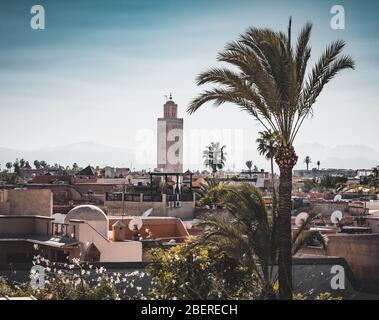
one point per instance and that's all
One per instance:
(111, 172)
(170, 139)
(313, 173)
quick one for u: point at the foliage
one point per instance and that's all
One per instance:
(197, 271)
(270, 81)
(267, 79)
(374, 177)
(307, 161)
(332, 182)
(309, 184)
(303, 235)
(267, 144)
(74, 281)
(214, 156)
(321, 296)
(251, 237)
(249, 165)
(209, 193)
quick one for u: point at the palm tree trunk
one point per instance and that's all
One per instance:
(273, 191)
(286, 159)
(284, 234)
(272, 173)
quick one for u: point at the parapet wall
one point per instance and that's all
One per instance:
(27, 202)
(362, 254)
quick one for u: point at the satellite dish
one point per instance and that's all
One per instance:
(135, 222)
(301, 218)
(338, 197)
(336, 217)
(148, 212)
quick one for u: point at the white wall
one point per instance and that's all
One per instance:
(123, 251)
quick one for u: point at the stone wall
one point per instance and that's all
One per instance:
(362, 254)
(328, 207)
(161, 209)
(27, 202)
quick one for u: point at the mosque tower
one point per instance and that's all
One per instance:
(170, 139)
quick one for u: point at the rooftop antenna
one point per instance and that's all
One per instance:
(170, 96)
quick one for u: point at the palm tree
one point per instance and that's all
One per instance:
(214, 157)
(251, 237)
(75, 167)
(44, 164)
(16, 167)
(268, 146)
(37, 164)
(374, 177)
(9, 165)
(22, 163)
(210, 192)
(375, 172)
(249, 165)
(307, 161)
(318, 165)
(270, 85)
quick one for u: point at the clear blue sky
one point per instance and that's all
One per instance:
(100, 69)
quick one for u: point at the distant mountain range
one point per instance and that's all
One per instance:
(84, 153)
(341, 156)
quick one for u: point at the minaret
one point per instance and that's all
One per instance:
(170, 139)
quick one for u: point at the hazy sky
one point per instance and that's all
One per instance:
(100, 69)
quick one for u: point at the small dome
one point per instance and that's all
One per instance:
(87, 213)
(170, 102)
(91, 215)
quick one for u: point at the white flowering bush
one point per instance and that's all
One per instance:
(76, 280)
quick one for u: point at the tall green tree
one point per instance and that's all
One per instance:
(268, 80)
(37, 164)
(307, 161)
(214, 157)
(75, 167)
(268, 146)
(16, 167)
(44, 164)
(374, 177)
(249, 165)
(22, 163)
(251, 237)
(9, 165)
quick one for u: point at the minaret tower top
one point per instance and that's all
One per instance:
(170, 109)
